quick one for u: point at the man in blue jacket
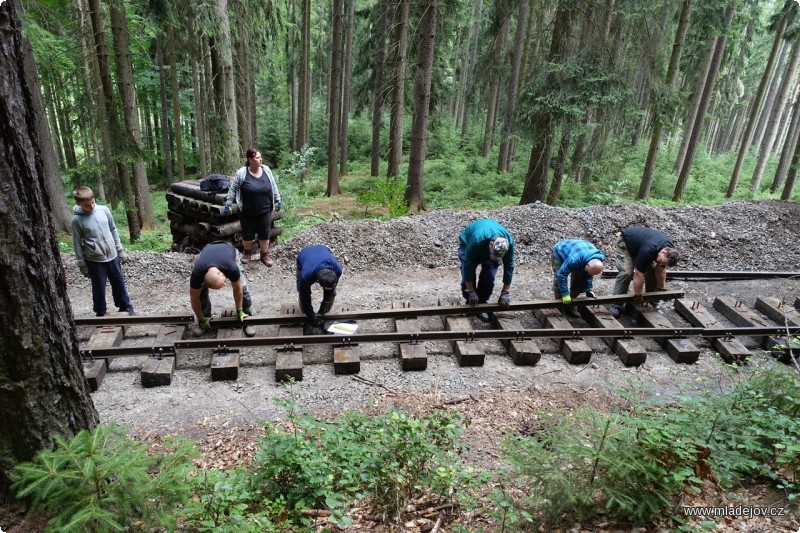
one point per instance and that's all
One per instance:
(316, 264)
(581, 261)
(485, 243)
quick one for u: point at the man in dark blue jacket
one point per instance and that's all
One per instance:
(316, 264)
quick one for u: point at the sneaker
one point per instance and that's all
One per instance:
(614, 310)
(570, 311)
(128, 310)
(483, 317)
(247, 256)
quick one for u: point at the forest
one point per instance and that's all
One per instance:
(566, 102)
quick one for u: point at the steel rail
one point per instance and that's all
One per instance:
(718, 274)
(374, 314)
(425, 336)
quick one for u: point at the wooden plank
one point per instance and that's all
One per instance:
(731, 350)
(735, 311)
(576, 351)
(289, 362)
(225, 361)
(346, 360)
(629, 351)
(158, 371)
(778, 311)
(467, 352)
(412, 356)
(680, 350)
(522, 352)
(103, 337)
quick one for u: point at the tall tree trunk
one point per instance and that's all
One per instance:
(788, 147)
(708, 91)
(176, 102)
(197, 95)
(755, 106)
(334, 98)
(304, 104)
(774, 118)
(791, 177)
(692, 114)
(766, 109)
(400, 44)
(378, 90)
(558, 170)
(494, 88)
(348, 67)
(44, 392)
(226, 156)
(127, 91)
(672, 73)
(57, 201)
(513, 83)
(470, 78)
(422, 100)
(115, 128)
(543, 127)
(166, 144)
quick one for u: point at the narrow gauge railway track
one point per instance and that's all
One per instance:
(777, 336)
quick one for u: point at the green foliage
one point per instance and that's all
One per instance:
(387, 193)
(628, 465)
(101, 480)
(390, 459)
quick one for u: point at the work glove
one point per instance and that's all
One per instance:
(505, 299)
(123, 257)
(205, 323)
(226, 210)
(241, 314)
(566, 300)
(591, 294)
(472, 298)
(637, 299)
(280, 205)
(84, 271)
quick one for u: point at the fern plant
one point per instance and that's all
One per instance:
(102, 480)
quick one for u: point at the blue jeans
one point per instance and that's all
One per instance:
(110, 271)
(485, 282)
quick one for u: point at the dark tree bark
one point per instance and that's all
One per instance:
(304, 103)
(115, 128)
(58, 208)
(513, 82)
(788, 148)
(672, 72)
(422, 101)
(127, 91)
(766, 109)
(43, 390)
(197, 94)
(791, 177)
(558, 171)
(470, 74)
(176, 102)
(708, 90)
(377, 103)
(166, 143)
(400, 44)
(543, 127)
(494, 88)
(346, 84)
(334, 98)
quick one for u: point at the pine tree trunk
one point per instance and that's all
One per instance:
(494, 88)
(44, 392)
(197, 95)
(422, 99)
(788, 147)
(558, 170)
(470, 77)
(766, 109)
(127, 91)
(334, 98)
(346, 84)
(513, 83)
(672, 73)
(176, 102)
(166, 144)
(304, 104)
(226, 156)
(400, 42)
(378, 89)
(791, 177)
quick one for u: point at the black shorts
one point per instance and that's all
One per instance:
(256, 225)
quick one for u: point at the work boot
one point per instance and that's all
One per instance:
(265, 258)
(247, 256)
(128, 310)
(308, 329)
(570, 311)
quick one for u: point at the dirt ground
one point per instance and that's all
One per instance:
(499, 397)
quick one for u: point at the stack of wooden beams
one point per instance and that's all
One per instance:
(196, 218)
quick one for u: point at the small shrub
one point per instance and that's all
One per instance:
(101, 480)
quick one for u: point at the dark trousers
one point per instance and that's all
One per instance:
(110, 271)
(247, 300)
(485, 282)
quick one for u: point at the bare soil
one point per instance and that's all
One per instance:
(414, 259)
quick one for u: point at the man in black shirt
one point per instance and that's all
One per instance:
(643, 255)
(216, 263)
